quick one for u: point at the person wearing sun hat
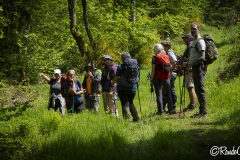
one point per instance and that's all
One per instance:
(56, 100)
(109, 91)
(91, 84)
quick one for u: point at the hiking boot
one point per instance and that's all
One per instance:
(199, 115)
(159, 114)
(189, 108)
(173, 111)
(135, 119)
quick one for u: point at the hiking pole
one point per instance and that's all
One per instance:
(180, 88)
(114, 97)
(183, 90)
(139, 100)
(184, 98)
(73, 104)
(151, 90)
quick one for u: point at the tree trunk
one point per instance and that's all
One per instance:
(134, 11)
(85, 19)
(73, 27)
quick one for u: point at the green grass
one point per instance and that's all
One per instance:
(41, 134)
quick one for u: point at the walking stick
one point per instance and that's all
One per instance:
(184, 99)
(73, 105)
(139, 100)
(180, 88)
(151, 90)
(114, 97)
(182, 92)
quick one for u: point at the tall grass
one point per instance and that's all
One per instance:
(42, 134)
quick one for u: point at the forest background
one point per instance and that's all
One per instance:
(39, 36)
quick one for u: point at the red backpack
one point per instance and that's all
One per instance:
(163, 67)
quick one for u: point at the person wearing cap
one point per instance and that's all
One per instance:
(91, 84)
(108, 94)
(74, 93)
(199, 68)
(173, 60)
(188, 80)
(56, 100)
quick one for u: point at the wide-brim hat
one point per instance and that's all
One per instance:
(90, 65)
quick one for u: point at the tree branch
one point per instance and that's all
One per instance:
(73, 27)
(85, 19)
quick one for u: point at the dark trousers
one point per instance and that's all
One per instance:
(126, 98)
(78, 107)
(57, 105)
(172, 92)
(162, 89)
(199, 72)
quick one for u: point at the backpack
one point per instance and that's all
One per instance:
(130, 74)
(163, 67)
(211, 52)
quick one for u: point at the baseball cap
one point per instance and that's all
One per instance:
(188, 36)
(108, 57)
(57, 71)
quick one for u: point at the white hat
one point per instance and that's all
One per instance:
(57, 71)
(108, 57)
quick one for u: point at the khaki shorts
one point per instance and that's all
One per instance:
(189, 80)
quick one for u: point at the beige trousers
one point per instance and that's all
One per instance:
(109, 104)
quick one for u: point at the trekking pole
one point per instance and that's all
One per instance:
(114, 97)
(151, 90)
(139, 100)
(184, 98)
(73, 105)
(180, 88)
(183, 90)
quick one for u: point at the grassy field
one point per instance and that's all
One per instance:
(36, 133)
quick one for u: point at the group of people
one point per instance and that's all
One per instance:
(67, 92)
(192, 62)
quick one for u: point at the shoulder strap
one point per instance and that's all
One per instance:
(78, 83)
(196, 47)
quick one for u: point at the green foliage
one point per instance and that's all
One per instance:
(49, 124)
(220, 13)
(42, 134)
(232, 57)
(16, 137)
(169, 26)
(35, 35)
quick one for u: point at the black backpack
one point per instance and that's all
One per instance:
(211, 52)
(130, 74)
